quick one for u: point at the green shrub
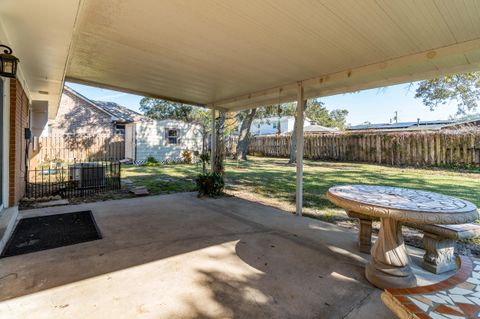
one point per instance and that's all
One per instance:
(187, 157)
(210, 184)
(151, 161)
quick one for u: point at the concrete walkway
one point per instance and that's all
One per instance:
(177, 256)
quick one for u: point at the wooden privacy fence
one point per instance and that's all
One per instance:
(406, 148)
(70, 148)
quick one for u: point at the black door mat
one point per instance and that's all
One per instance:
(46, 232)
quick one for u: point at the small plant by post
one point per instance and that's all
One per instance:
(210, 184)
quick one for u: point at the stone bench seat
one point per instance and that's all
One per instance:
(456, 297)
(438, 241)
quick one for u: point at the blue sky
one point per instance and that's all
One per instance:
(375, 105)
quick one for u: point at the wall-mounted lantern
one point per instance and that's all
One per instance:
(8, 62)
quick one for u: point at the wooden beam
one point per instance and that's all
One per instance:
(137, 92)
(258, 94)
(299, 149)
(216, 107)
(360, 78)
(213, 142)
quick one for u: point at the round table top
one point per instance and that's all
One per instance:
(403, 204)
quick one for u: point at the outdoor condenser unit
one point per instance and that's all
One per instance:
(88, 175)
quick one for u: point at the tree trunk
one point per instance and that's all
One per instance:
(219, 165)
(279, 114)
(293, 152)
(204, 149)
(244, 136)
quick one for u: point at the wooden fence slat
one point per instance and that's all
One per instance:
(413, 148)
(77, 148)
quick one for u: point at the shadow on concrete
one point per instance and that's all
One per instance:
(233, 266)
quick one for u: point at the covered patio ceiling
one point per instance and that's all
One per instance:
(238, 54)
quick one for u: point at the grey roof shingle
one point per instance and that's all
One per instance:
(121, 113)
(118, 112)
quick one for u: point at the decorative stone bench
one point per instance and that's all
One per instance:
(455, 297)
(438, 241)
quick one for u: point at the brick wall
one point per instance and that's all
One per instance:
(75, 116)
(19, 120)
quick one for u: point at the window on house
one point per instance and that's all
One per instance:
(172, 136)
(274, 125)
(120, 129)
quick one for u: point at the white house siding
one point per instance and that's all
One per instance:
(269, 125)
(150, 139)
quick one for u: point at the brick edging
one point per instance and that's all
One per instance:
(396, 298)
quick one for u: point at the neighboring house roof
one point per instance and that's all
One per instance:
(118, 112)
(320, 129)
(277, 118)
(420, 125)
(121, 113)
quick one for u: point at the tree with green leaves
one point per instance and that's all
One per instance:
(464, 88)
(246, 119)
(158, 109)
(316, 111)
(244, 134)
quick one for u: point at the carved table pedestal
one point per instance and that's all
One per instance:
(389, 266)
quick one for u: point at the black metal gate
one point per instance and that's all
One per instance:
(73, 180)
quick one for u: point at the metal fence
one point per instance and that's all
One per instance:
(73, 180)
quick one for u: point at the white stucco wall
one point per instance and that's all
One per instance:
(150, 139)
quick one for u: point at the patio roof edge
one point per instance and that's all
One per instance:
(345, 81)
(137, 92)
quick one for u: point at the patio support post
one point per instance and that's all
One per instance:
(299, 148)
(213, 142)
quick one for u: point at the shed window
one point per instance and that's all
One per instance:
(120, 129)
(172, 136)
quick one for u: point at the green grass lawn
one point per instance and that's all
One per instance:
(273, 178)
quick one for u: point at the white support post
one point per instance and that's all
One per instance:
(213, 141)
(299, 149)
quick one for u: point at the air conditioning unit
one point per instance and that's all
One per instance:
(87, 175)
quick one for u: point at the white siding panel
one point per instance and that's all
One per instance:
(150, 139)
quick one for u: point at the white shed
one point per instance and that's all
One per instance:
(165, 140)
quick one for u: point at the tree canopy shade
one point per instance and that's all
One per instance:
(464, 88)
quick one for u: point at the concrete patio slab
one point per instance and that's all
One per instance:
(177, 256)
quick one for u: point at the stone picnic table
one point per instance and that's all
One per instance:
(389, 266)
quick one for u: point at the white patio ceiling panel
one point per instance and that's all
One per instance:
(239, 54)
